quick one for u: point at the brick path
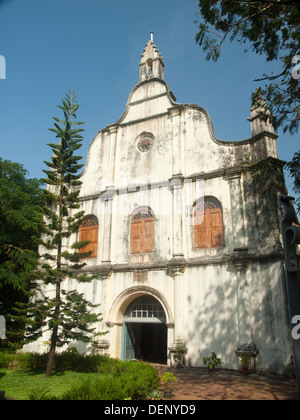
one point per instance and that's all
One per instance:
(199, 384)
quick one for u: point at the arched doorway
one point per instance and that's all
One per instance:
(144, 334)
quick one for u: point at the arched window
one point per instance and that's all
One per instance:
(145, 308)
(208, 223)
(89, 232)
(142, 231)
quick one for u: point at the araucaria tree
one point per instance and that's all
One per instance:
(66, 314)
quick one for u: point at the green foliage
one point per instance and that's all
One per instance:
(154, 395)
(212, 360)
(6, 359)
(21, 223)
(244, 359)
(179, 352)
(67, 315)
(22, 360)
(77, 362)
(167, 381)
(270, 28)
(132, 380)
(106, 388)
(41, 393)
(105, 378)
(294, 168)
(65, 361)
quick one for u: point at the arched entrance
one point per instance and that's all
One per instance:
(144, 333)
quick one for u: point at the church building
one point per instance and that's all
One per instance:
(185, 233)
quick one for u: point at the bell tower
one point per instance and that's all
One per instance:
(151, 65)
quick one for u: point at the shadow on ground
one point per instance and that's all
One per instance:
(199, 384)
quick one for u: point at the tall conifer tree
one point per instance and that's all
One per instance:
(67, 315)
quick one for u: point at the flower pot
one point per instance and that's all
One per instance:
(168, 394)
(244, 370)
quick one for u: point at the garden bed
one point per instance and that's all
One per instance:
(91, 378)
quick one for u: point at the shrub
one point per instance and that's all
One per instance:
(41, 394)
(34, 361)
(212, 360)
(6, 359)
(129, 380)
(106, 388)
(67, 360)
(119, 380)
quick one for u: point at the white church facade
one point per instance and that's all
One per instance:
(185, 236)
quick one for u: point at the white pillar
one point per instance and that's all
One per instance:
(237, 213)
(107, 199)
(240, 260)
(179, 310)
(113, 131)
(177, 216)
(243, 309)
(175, 114)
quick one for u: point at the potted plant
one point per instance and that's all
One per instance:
(167, 381)
(244, 362)
(154, 395)
(212, 361)
(179, 353)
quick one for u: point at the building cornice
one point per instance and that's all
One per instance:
(170, 265)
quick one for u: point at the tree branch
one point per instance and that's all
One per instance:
(278, 3)
(285, 69)
(232, 26)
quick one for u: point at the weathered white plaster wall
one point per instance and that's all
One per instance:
(214, 298)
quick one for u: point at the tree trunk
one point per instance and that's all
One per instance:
(54, 335)
(50, 362)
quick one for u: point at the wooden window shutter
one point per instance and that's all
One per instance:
(136, 237)
(148, 235)
(89, 232)
(142, 231)
(208, 224)
(215, 227)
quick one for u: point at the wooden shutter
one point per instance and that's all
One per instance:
(208, 224)
(136, 236)
(215, 227)
(89, 232)
(148, 235)
(142, 231)
(200, 230)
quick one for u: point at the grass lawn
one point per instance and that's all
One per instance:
(18, 384)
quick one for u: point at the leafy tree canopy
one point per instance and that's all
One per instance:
(272, 29)
(21, 223)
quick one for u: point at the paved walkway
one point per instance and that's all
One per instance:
(199, 384)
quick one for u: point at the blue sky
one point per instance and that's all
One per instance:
(94, 47)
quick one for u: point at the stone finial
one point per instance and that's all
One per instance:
(261, 117)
